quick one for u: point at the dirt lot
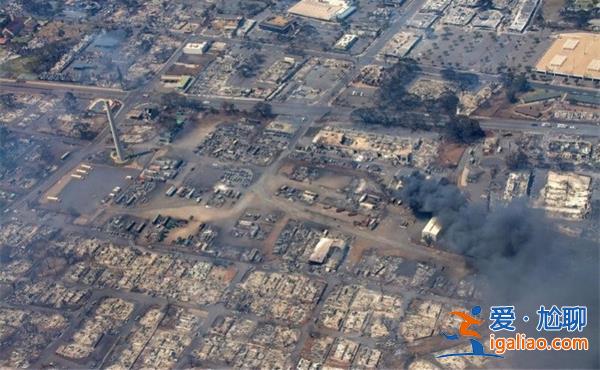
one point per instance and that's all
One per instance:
(551, 9)
(193, 134)
(450, 154)
(496, 106)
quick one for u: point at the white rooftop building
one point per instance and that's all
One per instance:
(322, 249)
(567, 195)
(326, 10)
(432, 230)
(196, 48)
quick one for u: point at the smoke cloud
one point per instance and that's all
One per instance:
(521, 259)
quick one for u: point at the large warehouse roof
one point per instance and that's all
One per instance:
(326, 10)
(573, 54)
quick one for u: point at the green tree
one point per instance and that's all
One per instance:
(392, 92)
(463, 129)
(517, 160)
(263, 109)
(448, 103)
(371, 116)
(70, 102)
(4, 134)
(514, 84)
(7, 101)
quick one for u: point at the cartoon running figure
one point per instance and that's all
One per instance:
(465, 331)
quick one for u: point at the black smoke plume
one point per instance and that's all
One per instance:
(520, 259)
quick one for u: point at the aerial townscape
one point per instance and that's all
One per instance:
(296, 184)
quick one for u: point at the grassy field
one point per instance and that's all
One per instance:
(551, 9)
(18, 67)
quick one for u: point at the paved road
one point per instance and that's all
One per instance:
(407, 11)
(535, 127)
(311, 113)
(43, 86)
(128, 100)
(138, 96)
(344, 112)
(579, 90)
